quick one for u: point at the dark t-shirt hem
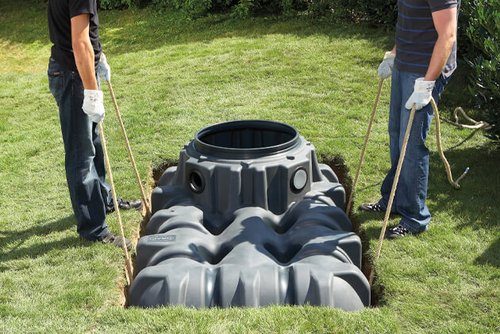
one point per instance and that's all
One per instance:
(446, 72)
(61, 57)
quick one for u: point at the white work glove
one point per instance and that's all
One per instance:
(103, 70)
(385, 67)
(93, 105)
(422, 94)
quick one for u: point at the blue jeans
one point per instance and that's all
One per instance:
(411, 192)
(84, 159)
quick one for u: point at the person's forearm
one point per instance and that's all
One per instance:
(83, 50)
(440, 54)
(445, 22)
(84, 58)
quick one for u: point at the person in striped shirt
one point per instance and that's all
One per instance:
(421, 63)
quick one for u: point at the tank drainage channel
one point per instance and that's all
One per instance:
(249, 217)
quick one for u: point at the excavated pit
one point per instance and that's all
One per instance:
(249, 217)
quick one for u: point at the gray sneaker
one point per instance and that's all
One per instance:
(396, 232)
(400, 231)
(125, 205)
(375, 207)
(371, 207)
(117, 241)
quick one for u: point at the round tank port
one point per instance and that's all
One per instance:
(196, 183)
(299, 180)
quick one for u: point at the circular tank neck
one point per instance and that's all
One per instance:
(245, 139)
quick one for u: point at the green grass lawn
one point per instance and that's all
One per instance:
(173, 77)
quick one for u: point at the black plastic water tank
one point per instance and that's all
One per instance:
(249, 218)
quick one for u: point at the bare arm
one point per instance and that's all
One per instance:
(83, 50)
(445, 22)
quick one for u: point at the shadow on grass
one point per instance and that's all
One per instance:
(18, 238)
(477, 203)
(491, 256)
(147, 29)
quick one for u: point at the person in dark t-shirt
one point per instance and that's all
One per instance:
(76, 57)
(60, 15)
(421, 64)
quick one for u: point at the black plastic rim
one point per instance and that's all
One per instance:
(230, 152)
(196, 182)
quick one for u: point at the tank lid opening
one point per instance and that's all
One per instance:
(246, 139)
